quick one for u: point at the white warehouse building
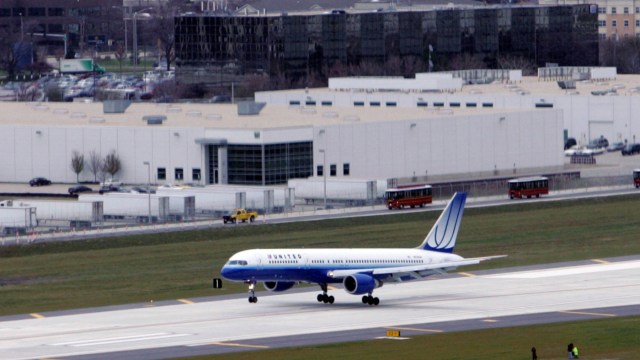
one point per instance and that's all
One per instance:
(213, 144)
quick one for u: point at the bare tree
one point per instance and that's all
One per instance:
(111, 163)
(95, 164)
(517, 62)
(466, 61)
(119, 54)
(163, 28)
(11, 50)
(77, 163)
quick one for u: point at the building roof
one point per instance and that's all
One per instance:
(221, 116)
(532, 85)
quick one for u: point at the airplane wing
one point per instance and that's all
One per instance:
(399, 272)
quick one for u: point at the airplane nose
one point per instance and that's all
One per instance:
(224, 272)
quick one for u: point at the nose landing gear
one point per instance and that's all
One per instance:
(252, 293)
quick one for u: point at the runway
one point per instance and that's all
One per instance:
(562, 292)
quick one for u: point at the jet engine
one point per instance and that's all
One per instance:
(278, 285)
(360, 284)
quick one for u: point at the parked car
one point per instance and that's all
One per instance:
(574, 150)
(109, 188)
(616, 146)
(142, 190)
(592, 149)
(631, 149)
(75, 190)
(220, 99)
(571, 142)
(39, 181)
(600, 142)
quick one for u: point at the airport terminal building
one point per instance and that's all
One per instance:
(518, 123)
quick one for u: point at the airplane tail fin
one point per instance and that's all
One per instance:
(443, 234)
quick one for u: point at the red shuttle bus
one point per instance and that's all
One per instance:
(529, 186)
(636, 178)
(408, 196)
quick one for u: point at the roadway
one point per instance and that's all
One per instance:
(313, 215)
(598, 288)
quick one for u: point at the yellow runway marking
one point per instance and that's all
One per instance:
(490, 320)
(415, 329)
(37, 316)
(240, 345)
(600, 261)
(466, 274)
(331, 287)
(185, 301)
(587, 313)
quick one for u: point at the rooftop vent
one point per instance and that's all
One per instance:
(154, 119)
(115, 106)
(250, 107)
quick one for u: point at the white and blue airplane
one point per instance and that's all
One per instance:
(359, 270)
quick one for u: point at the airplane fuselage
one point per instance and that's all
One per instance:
(317, 265)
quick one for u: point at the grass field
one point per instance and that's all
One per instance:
(611, 339)
(56, 276)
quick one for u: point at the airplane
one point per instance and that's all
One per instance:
(359, 270)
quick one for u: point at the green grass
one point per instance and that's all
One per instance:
(68, 275)
(596, 339)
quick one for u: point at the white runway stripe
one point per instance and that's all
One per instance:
(573, 270)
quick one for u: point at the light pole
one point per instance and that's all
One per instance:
(324, 174)
(135, 33)
(149, 187)
(124, 20)
(21, 28)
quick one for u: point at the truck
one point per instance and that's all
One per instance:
(239, 215)
(16, 220)
(79, 66)
(140, 207)
(74, 213)
(224, 198)
(338, 190)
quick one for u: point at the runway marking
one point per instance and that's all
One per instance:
(601, 261)
(587, 313)
(414, 329)
(186, 301)
(240, 345)
(37, 316)
(490, 320)
(121, 339)
(573, 270)
(329, 287)
(466, 274)
(392, 338)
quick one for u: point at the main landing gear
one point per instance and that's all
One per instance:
(324, 297)
(252, 293)
(368, 299)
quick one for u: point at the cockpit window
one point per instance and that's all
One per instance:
(238, 262)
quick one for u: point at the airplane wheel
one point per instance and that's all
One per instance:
(319, 297)
(376, 301)
(331, 299)
(365, 299)
(253, 299)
